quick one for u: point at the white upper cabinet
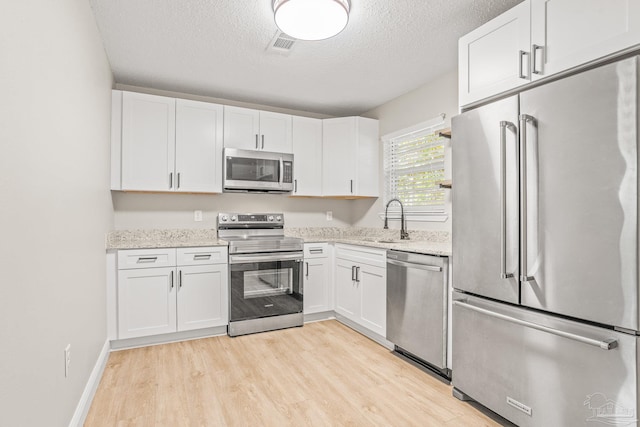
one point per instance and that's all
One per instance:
(250, 129)
(350, 157)
(307, 154)
(539, 38)
(275, 132)
(148, 141)
(198, 147)
(241, 128)
(568, 33)
(163, 144)
(495, 57)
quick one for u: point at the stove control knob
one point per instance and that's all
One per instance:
(234, 218)
(224, 218)
(278, 218)
(270, 218)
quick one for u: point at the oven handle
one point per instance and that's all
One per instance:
(248, 258)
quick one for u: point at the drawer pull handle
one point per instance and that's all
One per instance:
(315, 251)
(145, 260)
(201, 257)
(607, 344)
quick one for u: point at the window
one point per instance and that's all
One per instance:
(413, 165)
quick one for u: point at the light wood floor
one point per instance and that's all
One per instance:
(323, 374)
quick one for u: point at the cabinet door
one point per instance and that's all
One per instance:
(275, 132)
(495, 57)
(347, 291)
(368, 158)
(307, 154)
(202, 296)
(198, 147)
(148, 142)
(241, 128)
(373, 294)
(316, 285)
(146, 302)
(338, 156)
(569, 33)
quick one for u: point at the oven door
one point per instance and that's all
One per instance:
(264, 285)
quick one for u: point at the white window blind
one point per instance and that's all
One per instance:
(413, 165)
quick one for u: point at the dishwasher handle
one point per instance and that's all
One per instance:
(414, 265)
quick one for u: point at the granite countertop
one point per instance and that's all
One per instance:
(422, 242)
(164, 238)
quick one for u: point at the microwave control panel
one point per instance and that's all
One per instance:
(287, 172)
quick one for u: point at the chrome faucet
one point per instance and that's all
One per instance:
(404, 235)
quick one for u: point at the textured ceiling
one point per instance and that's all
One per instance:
(218, 48)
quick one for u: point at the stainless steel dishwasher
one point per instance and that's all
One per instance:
(417, 308)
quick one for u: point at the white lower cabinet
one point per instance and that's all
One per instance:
(201, 295)
(318, 289)
(361, 286)
(146, 302)
(153, 298)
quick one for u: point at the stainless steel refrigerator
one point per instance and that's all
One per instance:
(545, 251)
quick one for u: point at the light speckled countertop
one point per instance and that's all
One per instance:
(424, 242)
(164, 238)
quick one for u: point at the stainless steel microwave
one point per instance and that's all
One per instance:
(257, 171)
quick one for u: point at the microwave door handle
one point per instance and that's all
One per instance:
(281, 171)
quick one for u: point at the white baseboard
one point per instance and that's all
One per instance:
(90, 389)
(319, 317)
(364, 331)
(195, 334)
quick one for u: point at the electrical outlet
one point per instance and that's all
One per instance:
(67, 360)
(329, 215)
(197, 216)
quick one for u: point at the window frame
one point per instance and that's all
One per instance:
(415, 213)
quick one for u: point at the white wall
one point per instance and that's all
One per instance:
(55, 206)
(422, 104)
(138, 210)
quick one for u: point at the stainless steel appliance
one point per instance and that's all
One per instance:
(545, 251)
(257, 171)
(417, 308)
(265, 273)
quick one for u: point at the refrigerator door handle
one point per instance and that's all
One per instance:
(503, 198)
(607, 344)
(524, 119)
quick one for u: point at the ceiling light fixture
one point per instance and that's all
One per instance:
(311, 19)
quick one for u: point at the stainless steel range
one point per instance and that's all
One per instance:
(265, 273)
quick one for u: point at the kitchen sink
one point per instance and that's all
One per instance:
(386, 240)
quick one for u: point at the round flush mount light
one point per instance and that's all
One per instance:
(311, 19)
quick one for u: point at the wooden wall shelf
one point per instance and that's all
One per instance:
(445, 133)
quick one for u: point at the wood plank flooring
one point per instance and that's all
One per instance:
(323, 374)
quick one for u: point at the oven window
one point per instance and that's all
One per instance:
(247, 169)
(263, 289)
(265, 283)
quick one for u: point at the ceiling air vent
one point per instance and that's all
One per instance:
(281, 43)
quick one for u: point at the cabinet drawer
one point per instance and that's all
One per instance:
(316, 250)
(202, 256)
(362, 255)
(146, 258)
